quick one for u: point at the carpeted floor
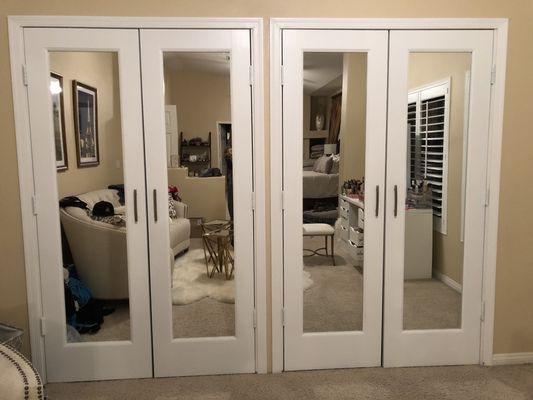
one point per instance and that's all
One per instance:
(203, 318)
(334, 302)
(430, 383)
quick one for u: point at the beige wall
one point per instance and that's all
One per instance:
(424, 69)
(202, 99)
(514, 321)
(353, 117)
(99, 70)
(205, 197)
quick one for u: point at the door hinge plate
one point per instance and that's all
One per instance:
(482, 311)
(254, 318)
(281, 75)
(283, 316)
(283, 200)
(43, 326)
(253, 200)
(251, 75)
(487, 197)
(493, 75)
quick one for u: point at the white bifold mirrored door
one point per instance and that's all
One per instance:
(333, 276)
(439, 108)
(385, 141)
(142, 159)
(84, 94)
(202, 323)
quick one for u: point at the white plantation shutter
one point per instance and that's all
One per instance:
(427, 118)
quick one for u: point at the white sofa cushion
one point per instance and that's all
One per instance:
(180, 230)
(91, 198)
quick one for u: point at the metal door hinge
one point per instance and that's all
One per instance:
(34, 205)
(251, 75)
(482, 311)
(281, 75)
(24, 75)
(283, 200)
(493, 75)
(254, 318)
(43, 326)
(283, 316)
(487, 197)
(253, 200)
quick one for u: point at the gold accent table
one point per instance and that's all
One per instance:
(217, 238)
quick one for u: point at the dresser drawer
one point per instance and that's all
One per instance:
(344, 230)
(344, 211)
(360, 218)
(343, 203)
(357, 237)
(356, 252)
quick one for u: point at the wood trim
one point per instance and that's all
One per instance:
(493, 180)
(512, 358)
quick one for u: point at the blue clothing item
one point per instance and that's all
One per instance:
(80, 291)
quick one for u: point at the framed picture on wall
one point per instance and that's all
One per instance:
(86, 124)
(58, 116)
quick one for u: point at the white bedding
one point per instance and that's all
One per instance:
(319, 186)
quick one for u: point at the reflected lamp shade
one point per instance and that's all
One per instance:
(330, 149)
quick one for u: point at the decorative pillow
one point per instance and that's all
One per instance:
(172, 213)
(323, 165)
(116, 220)
(335, 161)
(316, 164)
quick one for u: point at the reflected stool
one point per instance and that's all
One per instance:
(324, 230)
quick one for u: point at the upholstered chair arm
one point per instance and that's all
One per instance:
(182, 209)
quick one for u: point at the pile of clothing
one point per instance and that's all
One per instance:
(83, 312)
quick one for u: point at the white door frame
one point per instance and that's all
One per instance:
(220, 154)
(277, 25)
(16, 25)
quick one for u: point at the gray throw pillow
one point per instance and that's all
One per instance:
(335, 164)
(323, 165)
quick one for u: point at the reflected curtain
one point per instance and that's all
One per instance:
(335, 119)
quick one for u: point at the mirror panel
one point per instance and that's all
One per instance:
(199, 170)
(437, 131)
(334, 129)
(84, 89)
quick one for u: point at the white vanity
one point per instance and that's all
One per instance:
(418, 236)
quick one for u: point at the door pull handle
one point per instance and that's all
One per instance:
(395, 200)
(135, 212)
(155, 205)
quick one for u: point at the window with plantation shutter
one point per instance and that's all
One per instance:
(427, 118)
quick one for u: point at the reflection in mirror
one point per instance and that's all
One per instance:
(84, 89)
(436, 134)
(199, 160)
(334, 130)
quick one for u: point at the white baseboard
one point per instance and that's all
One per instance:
(512, 358)
(448, 281)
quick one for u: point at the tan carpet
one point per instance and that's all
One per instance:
(432, 383)
(335, 301)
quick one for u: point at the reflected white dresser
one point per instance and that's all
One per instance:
(418, 236)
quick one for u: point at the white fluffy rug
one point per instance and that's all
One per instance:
(190, 282)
